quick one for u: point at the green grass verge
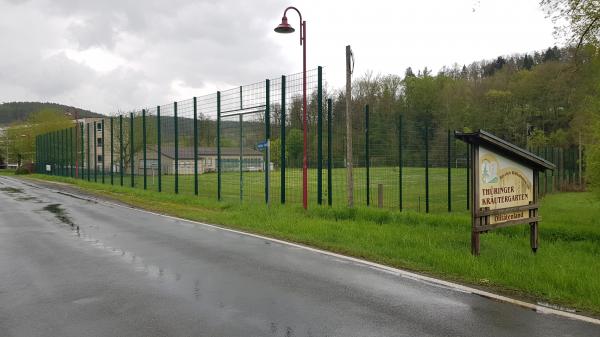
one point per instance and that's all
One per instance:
(563, 272)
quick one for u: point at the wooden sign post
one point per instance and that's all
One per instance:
(505, 186)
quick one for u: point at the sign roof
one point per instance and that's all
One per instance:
(492, 142)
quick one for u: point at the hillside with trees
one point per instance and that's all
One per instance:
(12, 112)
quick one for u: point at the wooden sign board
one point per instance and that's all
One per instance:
(505, 186)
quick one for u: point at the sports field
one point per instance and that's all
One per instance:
(249, 187)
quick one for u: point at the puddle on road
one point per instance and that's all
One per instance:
(28, 198)
(60, 213)
(149, 270)
(139, 265)
(18, 193)
(11, 190)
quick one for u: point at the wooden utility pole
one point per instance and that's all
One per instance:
(349, 175)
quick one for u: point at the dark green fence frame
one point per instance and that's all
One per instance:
(60, 150)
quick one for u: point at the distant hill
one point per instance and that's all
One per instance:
(19, 111)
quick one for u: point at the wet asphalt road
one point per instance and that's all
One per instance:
(131, 273)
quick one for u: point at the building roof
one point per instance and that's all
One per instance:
(501, 146)
(188, 152)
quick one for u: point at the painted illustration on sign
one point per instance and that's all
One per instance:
(503, 184)
(490, 171)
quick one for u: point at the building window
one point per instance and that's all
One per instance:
(99, 127)
(100, 158)
(99, 141)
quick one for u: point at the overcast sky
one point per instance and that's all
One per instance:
(111, 55)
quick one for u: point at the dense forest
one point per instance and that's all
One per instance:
(542, 98)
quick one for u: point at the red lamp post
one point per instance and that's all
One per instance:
(285, 28)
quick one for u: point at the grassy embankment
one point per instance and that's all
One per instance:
(564, 271)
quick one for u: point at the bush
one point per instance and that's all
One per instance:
(593, 159)
(24, 169)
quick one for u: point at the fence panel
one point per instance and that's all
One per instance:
(399, 162)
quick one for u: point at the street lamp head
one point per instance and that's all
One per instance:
(284, 27)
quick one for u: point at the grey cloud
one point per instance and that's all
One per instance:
(97, 31)
(196, 42)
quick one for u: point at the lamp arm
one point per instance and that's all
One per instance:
(301, 22)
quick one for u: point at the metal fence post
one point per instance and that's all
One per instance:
(241, 166)
(121, 148)
(88, 152)
(426, 168)
(282, 142)
(72, 153)
(144, 148)
(47, 152)
(60, 154)
(267, 137)
(36, 149)
(43, 151)
(82, 152)
(63, 133)
(65, 154)
(319, 135)
(219, 145)
(112, 149)
(329, 153)
(59, 151)
(52, 153)
(38, 154)
(195, 146)
(400, 162)
(65, 151)
(56, 153)
(176, 126)
(449, 173)
(102, 149)
(367, 159)
(43, 154)
(131, 147)
(95, 135)
(158, 148)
